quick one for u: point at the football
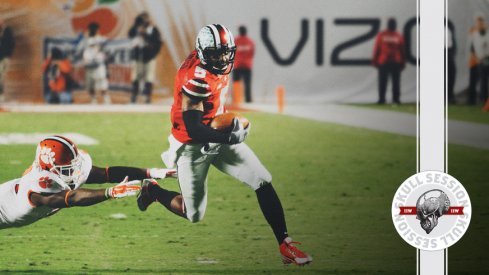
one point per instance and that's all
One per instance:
(224, 122)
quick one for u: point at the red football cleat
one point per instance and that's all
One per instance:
(291, 254)
(144, 197)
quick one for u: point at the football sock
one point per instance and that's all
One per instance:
(272, 210)
(115, 174)
(118, 173)
(163, 196)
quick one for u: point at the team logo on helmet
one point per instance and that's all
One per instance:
(46, 156)
(419, 204)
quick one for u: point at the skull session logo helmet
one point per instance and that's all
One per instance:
(430, 206)
(419, 203)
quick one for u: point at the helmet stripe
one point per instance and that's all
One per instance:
(231, 37)
(222, 33)
(215, 33)
(65, 142)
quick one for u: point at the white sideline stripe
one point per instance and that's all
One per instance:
(34, 138)
(195, 94)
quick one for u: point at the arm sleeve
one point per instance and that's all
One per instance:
(116, 174)
(200, 132)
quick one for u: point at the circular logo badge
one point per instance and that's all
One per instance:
(431, 210)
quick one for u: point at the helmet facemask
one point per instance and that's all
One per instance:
(68, 173)
(219, 61)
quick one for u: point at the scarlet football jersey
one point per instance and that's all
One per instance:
(197, 83)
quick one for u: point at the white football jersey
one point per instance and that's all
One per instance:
(93, 54)
(17, 210)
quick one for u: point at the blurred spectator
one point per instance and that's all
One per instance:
(473, 66)
(146, 43)
(7, 44)
(451, 48)
(57, 70)
(243, 63)
(94, 59)
(480, 41)
(389, 58)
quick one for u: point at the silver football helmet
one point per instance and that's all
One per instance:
(216, 49)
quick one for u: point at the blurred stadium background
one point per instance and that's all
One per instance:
(335, 176)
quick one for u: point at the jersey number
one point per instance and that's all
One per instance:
(199, 72)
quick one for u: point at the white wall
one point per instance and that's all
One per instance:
(304, 80)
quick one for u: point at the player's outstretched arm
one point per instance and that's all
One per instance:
(86, 197)
(64, 199)
(118, 173)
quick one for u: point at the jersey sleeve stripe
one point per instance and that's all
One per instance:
(202, 85)
(194, 93)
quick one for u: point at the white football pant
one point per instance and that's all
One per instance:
(193, 164)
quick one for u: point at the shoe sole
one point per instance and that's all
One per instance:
(299, 262)
(141, 205)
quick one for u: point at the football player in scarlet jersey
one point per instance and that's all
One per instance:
(200, 94)
(54, 179)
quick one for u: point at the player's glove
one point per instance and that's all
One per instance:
(124, 189)
(238, 134)
(161, 173)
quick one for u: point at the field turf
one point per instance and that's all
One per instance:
(336, 184)
(455, 112)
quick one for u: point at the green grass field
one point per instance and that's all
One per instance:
(456, 112)
(336, 184)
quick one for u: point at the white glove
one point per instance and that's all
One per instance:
(124, 189)
(239, 133)
(161, 173)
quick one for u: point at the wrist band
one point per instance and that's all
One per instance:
(107, 192)
(66, 198)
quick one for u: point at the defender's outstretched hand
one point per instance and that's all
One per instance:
(124, 189)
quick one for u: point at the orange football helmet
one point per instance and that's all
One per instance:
(60, 156)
